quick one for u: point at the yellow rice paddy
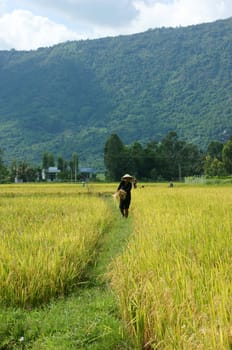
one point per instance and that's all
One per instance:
(174, 282)
(48, 236)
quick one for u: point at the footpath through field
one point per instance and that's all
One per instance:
(105, 328)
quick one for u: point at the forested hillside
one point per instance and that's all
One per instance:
(71, 97)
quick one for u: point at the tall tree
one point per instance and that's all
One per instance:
(179, 157)
(150, 163)
(137, 159)
(3, 169)
(227, 155)
(48, 160)
(214, 150)
(190, 160)
(60, 163)
(23, 171)
(213, 167)
(114, 157)
(170, 150)
(74, 165)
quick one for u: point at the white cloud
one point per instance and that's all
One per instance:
(100, 12)
(153, 13)
(168, 13)
(121, 13)
(2, 6)
(37, 22)
(24, 31)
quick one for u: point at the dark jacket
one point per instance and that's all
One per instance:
(126, 186)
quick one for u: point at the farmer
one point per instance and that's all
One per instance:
(124, 203)
(135, 183)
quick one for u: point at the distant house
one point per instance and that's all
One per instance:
(18, 180)
(50, 174)
(87, 173)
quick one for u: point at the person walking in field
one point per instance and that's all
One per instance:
(135, 182)
(124, 190)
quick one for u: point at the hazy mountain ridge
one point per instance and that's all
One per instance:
(70, 97)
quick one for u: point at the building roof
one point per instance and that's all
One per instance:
(53, 169)
(87, 170)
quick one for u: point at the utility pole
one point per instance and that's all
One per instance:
(75, 162)
(75, 168)
(179, 171)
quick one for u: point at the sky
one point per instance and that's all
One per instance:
(30, 24)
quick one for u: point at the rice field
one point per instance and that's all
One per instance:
(174, 281)
(48, 236)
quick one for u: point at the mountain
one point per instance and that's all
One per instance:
(72, 96)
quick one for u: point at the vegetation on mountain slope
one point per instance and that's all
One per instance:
(71, 97)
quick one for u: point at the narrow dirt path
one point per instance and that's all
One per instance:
(100, 298)
(112, 244)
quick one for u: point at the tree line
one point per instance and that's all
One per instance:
(169, 159)
(68, 170)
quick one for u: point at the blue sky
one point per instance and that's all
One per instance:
(29, 24)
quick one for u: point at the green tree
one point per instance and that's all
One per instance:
(171, 155)
(136, 155)
(214, 149)
(48, 160)
(179, 158)
(60, 163)
(3, 169)
(213, 167)
(74, 165)
(227, 156)
(150, 163)
(114, 157)
(190, 160)
(23, 171)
